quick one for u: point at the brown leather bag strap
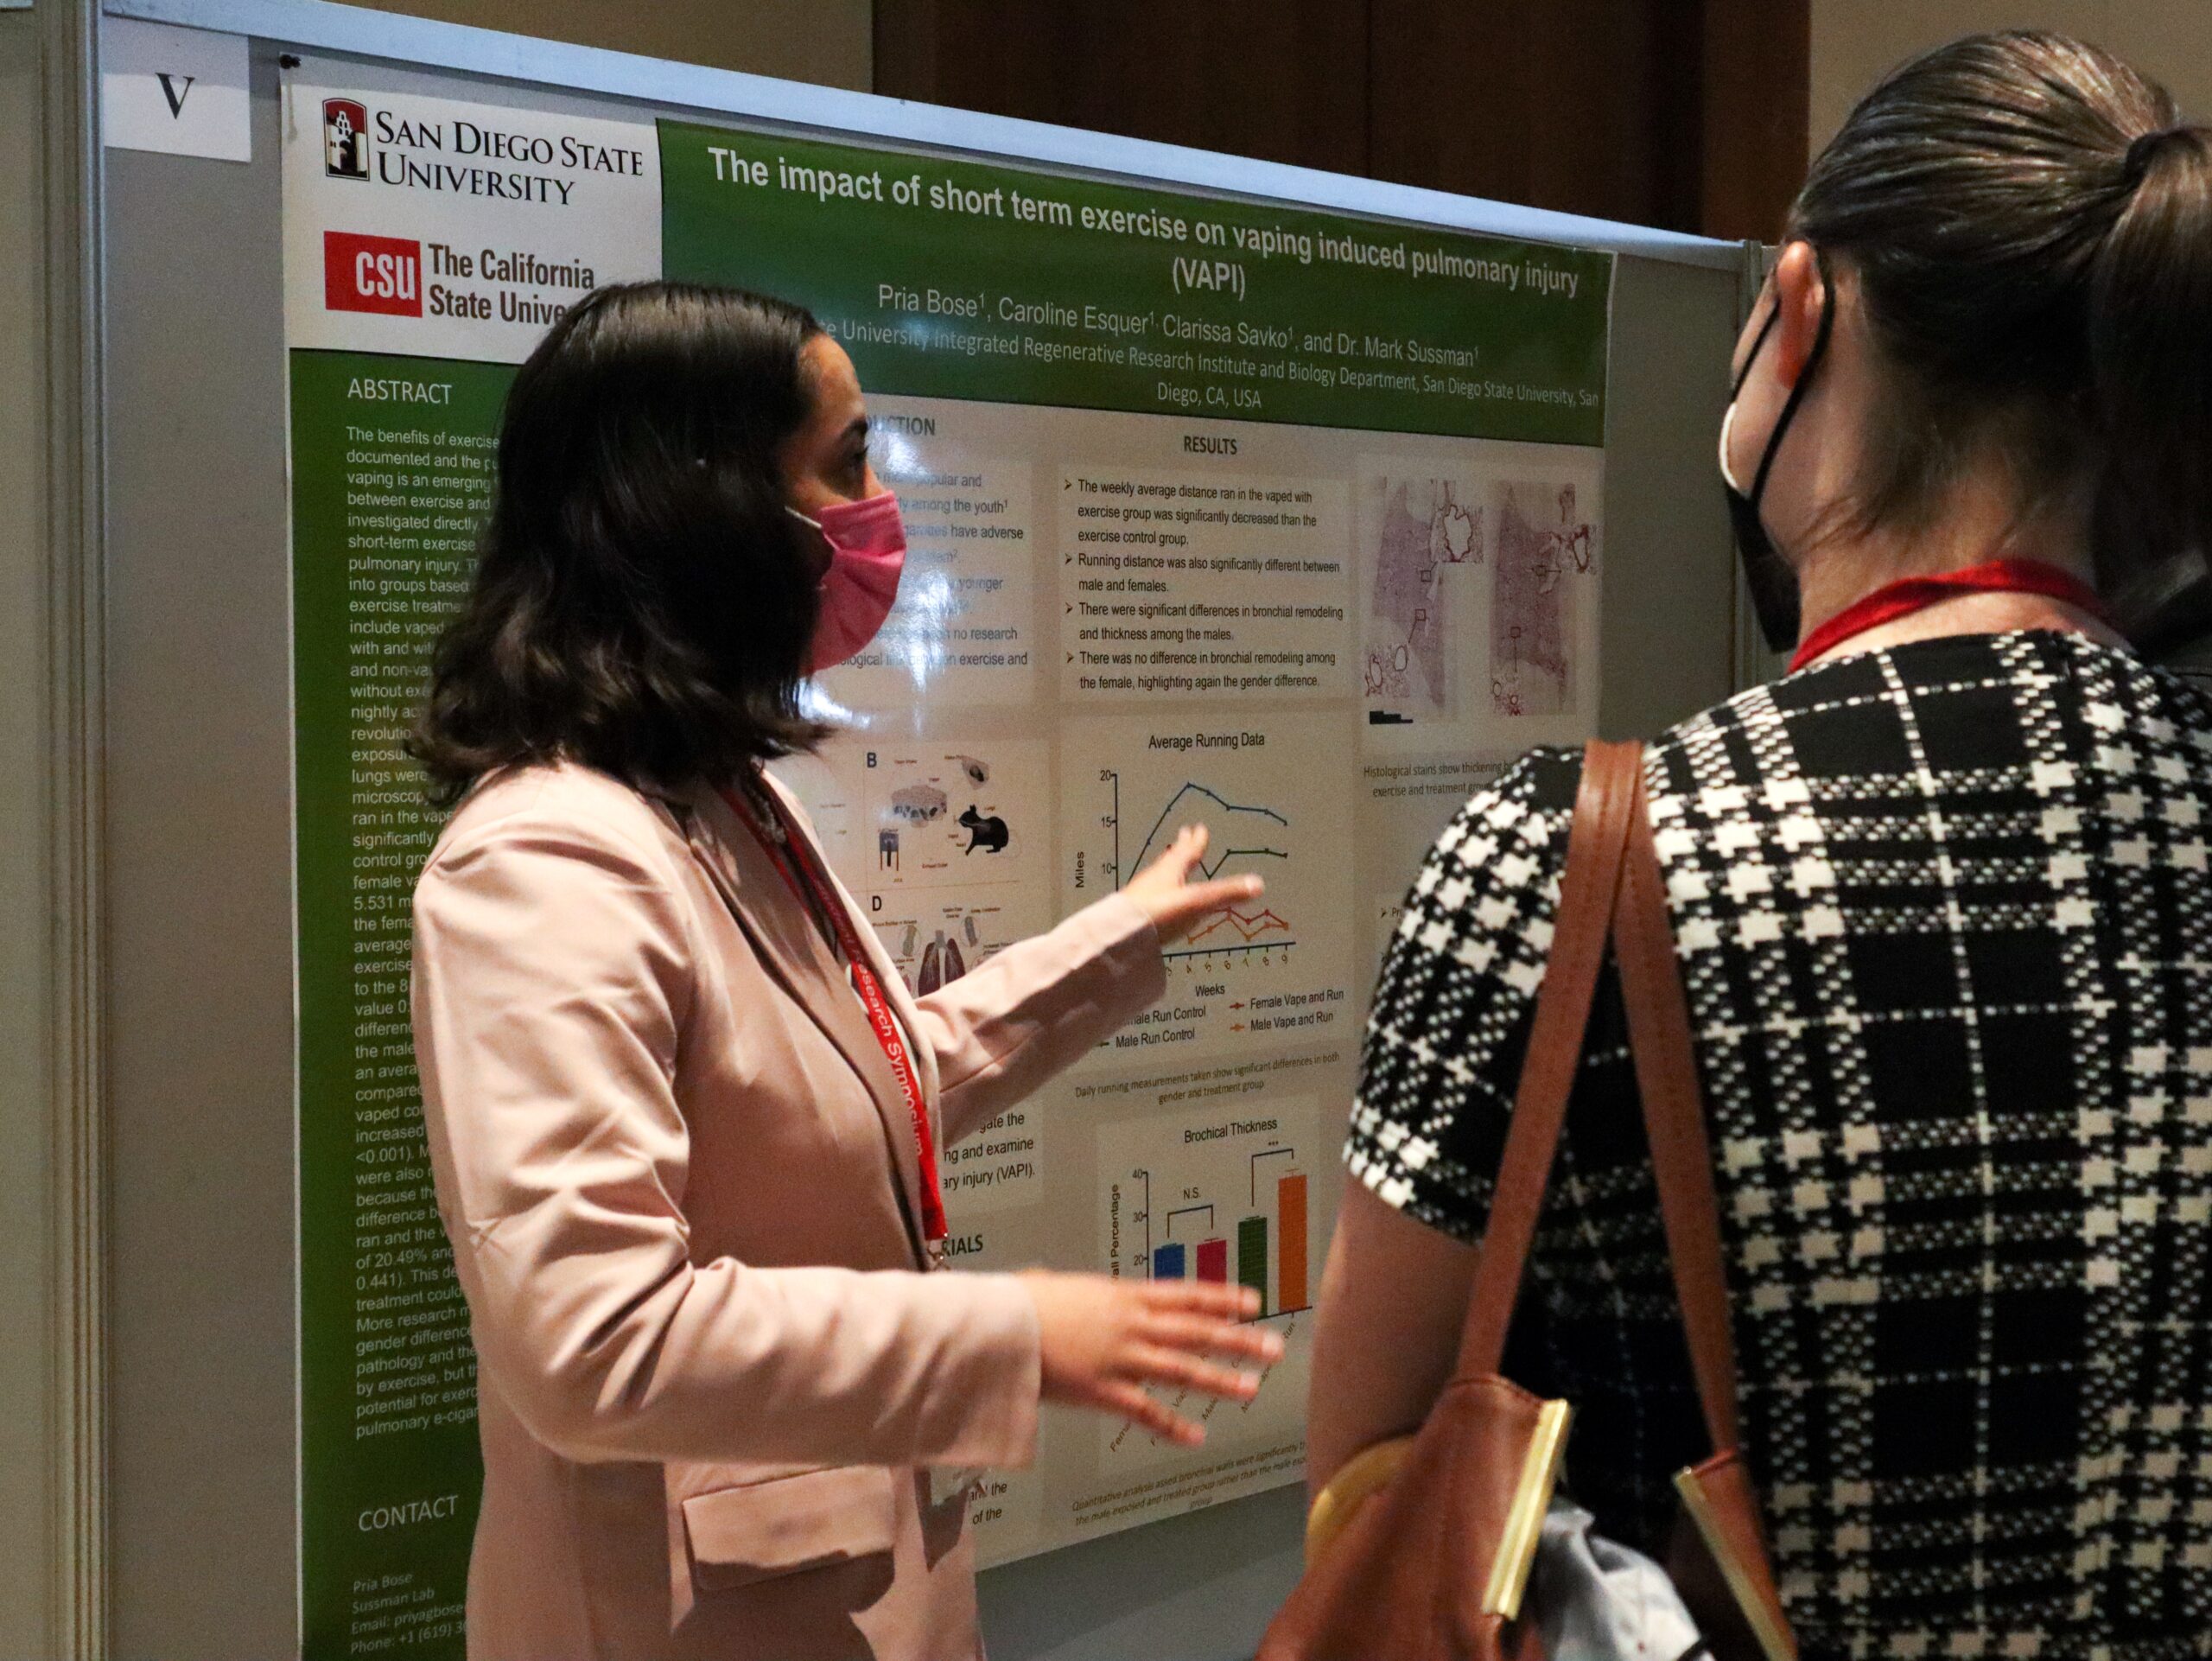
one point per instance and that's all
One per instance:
(1608, 798)
(1674, 1120)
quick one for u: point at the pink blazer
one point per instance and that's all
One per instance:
(683, 1192)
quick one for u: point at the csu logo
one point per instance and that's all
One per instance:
(345, 138)
(365, 273)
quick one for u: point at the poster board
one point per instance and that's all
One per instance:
(1035, 735)
(1224, 513)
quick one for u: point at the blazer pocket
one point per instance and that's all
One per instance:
(739, 1536)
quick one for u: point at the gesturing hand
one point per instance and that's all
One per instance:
(1175, 903)
(1103, 1340)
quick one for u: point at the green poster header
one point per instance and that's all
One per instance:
(949, 279)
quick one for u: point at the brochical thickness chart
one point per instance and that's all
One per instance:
(1221, 1193)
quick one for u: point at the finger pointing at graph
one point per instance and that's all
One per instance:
(1172, 901)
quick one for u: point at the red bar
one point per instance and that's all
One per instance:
(1290, 1263)
(1213, 1261)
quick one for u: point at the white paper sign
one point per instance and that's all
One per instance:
(180, 91)
(441, 228)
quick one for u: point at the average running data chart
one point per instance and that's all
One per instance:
(1271, 794)
(1221, 1193)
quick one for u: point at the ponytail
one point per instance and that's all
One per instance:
(2030, 228)
(2150, 361)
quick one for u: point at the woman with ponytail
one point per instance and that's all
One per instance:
(1941, 896)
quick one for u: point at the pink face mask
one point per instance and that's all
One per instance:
(867, 550)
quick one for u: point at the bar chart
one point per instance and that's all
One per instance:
(1226, 1198)
(1225, 1194)
(1270, 1249)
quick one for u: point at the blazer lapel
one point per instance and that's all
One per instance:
(784, 932)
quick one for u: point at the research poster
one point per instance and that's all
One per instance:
(1220, 512)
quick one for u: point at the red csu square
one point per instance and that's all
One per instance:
(365, 273)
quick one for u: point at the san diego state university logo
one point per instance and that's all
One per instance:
(345, 138)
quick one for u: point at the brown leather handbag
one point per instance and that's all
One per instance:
(1421, 1548)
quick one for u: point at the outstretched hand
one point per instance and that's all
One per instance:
(1107, 1344)
(1174, 903)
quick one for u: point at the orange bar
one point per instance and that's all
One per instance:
(1290, 1264)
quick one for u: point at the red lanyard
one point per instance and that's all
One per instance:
(1895, 599)
(810, 883)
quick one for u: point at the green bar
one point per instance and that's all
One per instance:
(1252, 1257)
(946, 278)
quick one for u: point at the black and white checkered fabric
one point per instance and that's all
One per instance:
(1945, 919)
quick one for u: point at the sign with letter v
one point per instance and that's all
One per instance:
(182, 91)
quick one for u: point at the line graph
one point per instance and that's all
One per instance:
(1189, 788)
(1273, 963)
(1253, 929)
(1248, 926)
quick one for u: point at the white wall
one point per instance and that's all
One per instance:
(1856, 42)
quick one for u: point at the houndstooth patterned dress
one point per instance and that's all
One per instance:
(1942, 915)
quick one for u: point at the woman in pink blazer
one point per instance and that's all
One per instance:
(684, 1115)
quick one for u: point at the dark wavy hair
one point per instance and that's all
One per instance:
(2031, 223)
(642, 603)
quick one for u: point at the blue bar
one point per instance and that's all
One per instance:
(1167, 1262)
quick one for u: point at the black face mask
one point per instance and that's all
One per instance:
(1773, 583)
